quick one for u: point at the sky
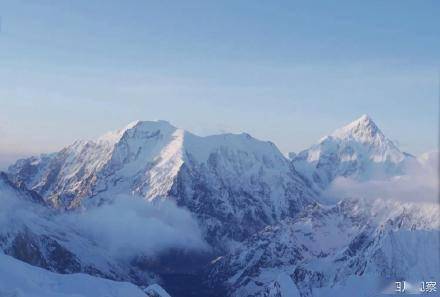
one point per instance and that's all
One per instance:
(286, 71)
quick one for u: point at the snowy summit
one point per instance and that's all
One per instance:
(359, 150)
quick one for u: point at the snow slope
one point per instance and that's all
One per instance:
(156, 291)
(20, 279)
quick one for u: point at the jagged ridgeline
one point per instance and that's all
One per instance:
(234, 183)
(222, 215)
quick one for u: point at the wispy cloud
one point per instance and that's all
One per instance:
(131, 226)
(419, 184)
(126, 228)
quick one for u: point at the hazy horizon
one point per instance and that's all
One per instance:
(289, 72)
(6, 159)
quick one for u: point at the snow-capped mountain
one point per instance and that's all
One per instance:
(358, 150)
(233, 183)
(107, 207)
(353, 247)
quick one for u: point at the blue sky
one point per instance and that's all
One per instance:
(286, 71)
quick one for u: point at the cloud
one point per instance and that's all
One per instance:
(131, 226)
(125, 228)
(16, 211)
(419, 184)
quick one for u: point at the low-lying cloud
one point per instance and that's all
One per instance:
(131, 226)
(420, 183)
(125, 228)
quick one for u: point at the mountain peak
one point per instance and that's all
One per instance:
(156, 123)
(364, 129)
(115, 136)
(358, 150)
(150, 126)
(365, 118)
(365, 121)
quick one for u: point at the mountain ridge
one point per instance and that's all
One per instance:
(215, 177)
(260, 212)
